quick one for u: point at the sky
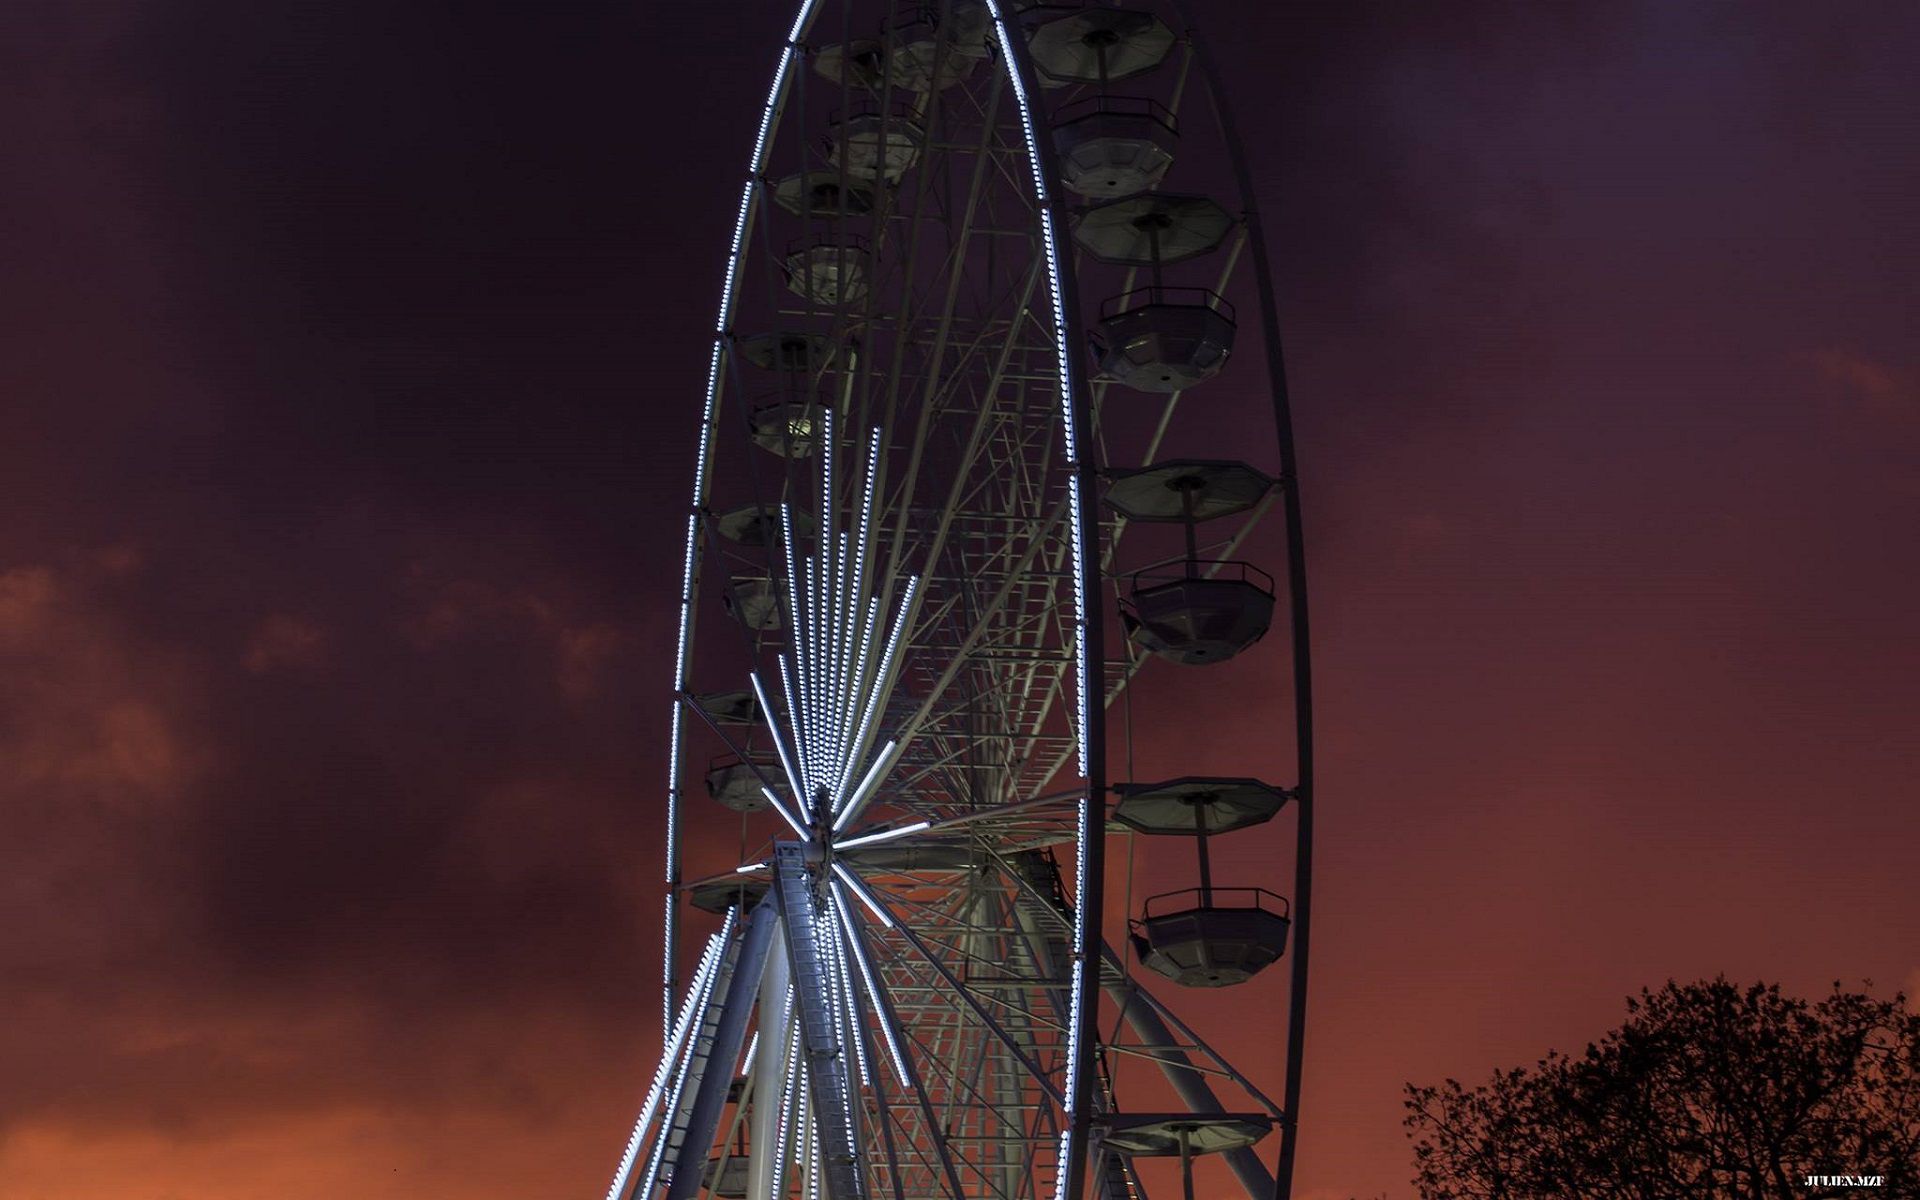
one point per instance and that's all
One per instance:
(350, 358)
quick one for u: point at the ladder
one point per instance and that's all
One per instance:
(693, 1070)
(827, 1083)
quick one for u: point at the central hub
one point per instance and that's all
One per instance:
(818, 848)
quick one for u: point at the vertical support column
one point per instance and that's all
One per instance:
(828, 1087)
(769, 1068)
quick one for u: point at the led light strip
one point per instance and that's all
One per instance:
(834, 690)
(779, 743)
(780, 806)
(885, 835)
(866, 895)
(746, 1060)
(781, 1149)
(670, 1054)
(873, 986)
(882, 763)
(658, 1157)
(756, 164)
(856, 1028)
(813, 1160)
(882, 685)
(667, 945)
(831, 984)
(1070, 431)
(804, 783)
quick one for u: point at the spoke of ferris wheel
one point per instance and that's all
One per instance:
(854, 639)
(859, 888)
(966, 996)
(891, 1031)
(926, 405)
(812, 654)
(878, 691)
(882, 764)
(795, 718)
(961, 1090)
(739, 752)
(825, 676)
(982, 625)
(1124, 988)
(845, 999)
(780, 742)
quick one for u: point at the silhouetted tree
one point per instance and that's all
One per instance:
(1709, 1091)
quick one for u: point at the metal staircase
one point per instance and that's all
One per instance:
(666, 1154)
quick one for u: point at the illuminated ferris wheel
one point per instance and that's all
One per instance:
(948, 512)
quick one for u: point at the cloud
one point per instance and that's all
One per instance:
(1870, 389)
(284, 641)
(255, 902)
(90, 716)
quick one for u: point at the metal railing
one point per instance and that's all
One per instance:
(1192, 569)
(1166, 297)
(1211, 898)
(1116, 106)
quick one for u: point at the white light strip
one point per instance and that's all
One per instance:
(819, 651)
(856, 1027)
(885, 835)
(787, 1115)
(869, 787)
(867, 897)
(1082, 937)
(882, 681)
(669, 945)
(857, 636)
(756, 165)
(839, 1003)
(809, 667)
(840, 645)
(1050, 243)
(780, 744)
(860, 675)
(702, 978)
(813, 1158)
(658, 1157)
(667, 1057)
(752, 868)
(780, 807)
(794, 614)
(873, 986)
(793, 720)
(673, 792)
(746, 1060)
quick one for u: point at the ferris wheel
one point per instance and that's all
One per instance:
(949, 512)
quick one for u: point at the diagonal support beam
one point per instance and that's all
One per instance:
(729, 1037)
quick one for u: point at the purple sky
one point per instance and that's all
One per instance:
(351, 354)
